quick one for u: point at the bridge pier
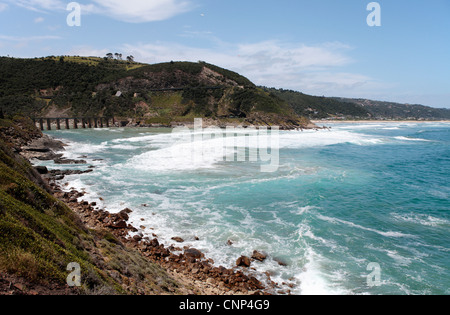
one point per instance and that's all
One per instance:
(99, 122)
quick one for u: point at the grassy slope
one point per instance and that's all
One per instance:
(40, 236)
(37, 232)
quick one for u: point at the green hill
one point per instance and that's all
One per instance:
(172, 92)
(391, 110)
(159, 93)
(315, 107)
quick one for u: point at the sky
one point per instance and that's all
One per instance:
(320, 47)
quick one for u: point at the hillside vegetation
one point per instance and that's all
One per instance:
(316, 107)
(172, 92)
(390, 110)
(159, 93)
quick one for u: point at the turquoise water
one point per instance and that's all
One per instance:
(340, 200)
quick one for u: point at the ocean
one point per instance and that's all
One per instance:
(355, 209)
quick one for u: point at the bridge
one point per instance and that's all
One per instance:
(76, 122)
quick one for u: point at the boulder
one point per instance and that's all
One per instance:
(178, 239)
(119, 225)
(193, 253)
(137, 237)
(243, 261)
(44, 144)
(124, 214)
(41, 169)
(68, 161)
(259, 256)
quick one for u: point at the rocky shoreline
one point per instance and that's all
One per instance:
(186, 265)
(191, 267)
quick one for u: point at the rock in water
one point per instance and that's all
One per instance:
(243, 261)
(178, 239)
(259, 256)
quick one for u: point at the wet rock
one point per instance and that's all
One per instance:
(68, 172)
(44, 144)
(178, 239)
(132, 228)
(124, 214)
(137, 237)
(68, 161)
(243, 261)
(259, 256)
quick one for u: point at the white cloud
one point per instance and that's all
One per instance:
(139, 11)
(132, 11)
(40, 5)
(39, 20)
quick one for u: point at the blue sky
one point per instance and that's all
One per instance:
(320, 47)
